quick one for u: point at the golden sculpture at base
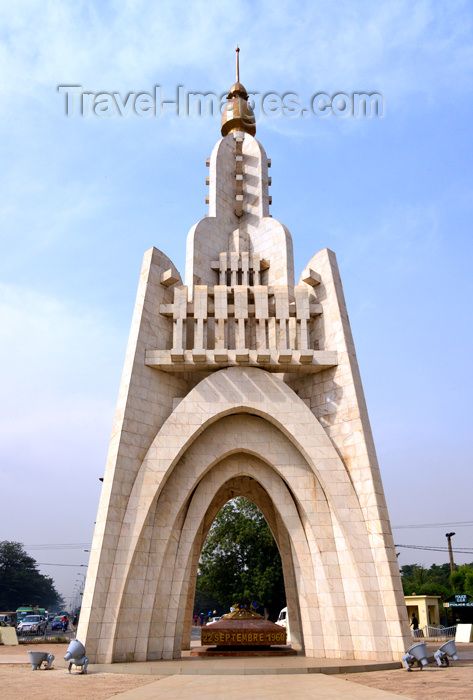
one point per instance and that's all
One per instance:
(242, 612)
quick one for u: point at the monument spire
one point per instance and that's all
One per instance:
(238, 115)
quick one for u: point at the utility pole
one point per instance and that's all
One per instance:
(449, 536)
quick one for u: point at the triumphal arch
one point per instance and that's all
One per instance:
(242, 381)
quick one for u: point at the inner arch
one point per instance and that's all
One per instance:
(326, 597)
(250, 488)
(237, 476)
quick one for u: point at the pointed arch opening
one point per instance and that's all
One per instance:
(197, 462)
(240, 561)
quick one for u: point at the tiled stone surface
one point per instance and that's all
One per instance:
(255, 232)
(273, 360)
(337, 400)
(144, 402)
(259, 685)
(329, 565)
(188, 439)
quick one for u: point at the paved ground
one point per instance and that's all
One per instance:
(299, 687)
(18, 681)
(433, 683)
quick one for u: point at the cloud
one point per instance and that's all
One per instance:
(401, 237)
(400, 47)
(60, 367)
(57, 384)
(406, 50)
(82, 198)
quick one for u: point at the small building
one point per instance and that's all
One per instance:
(461, 605)
(425, 607)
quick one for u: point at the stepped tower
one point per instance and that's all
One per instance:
(242, 382)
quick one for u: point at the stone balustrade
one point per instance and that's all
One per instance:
(241, 321)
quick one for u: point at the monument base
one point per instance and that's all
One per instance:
(243, 651)
(243, 632)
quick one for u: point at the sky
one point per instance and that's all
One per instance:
(83, 197)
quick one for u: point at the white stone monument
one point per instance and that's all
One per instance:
(242, 383)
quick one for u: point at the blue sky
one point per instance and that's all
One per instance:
(81, 199)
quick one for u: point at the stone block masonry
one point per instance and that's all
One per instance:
(241, 382)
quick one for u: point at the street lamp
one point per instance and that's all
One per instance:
(81, 587)
(449, 536)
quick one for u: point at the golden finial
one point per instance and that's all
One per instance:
(238, 115)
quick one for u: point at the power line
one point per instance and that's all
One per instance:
(437, 549)
(39, 563)
(72, 545)
(465, 523)
(87, 545)
(463, 550)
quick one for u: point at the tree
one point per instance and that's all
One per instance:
(20, 581)
(434, 581)
(204, 602)
(462, 579)
(240, 561)
(438, 580)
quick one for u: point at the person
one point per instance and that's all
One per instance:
(202, 615)
(64, 623)
(415, 625)
(196, 620)
(75, 621)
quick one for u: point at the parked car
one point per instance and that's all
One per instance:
(282, 618)
(32, 624)
(213, 619)
(8, 619)
(283, 621)
(57, 623)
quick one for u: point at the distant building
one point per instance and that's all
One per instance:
(425, 607)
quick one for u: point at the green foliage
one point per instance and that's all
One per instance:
(20, 581)
(438, 580)
(204, 602)
(433, 581)
(240, 561)
(457, 580)
(469, 582)
(462, 579)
